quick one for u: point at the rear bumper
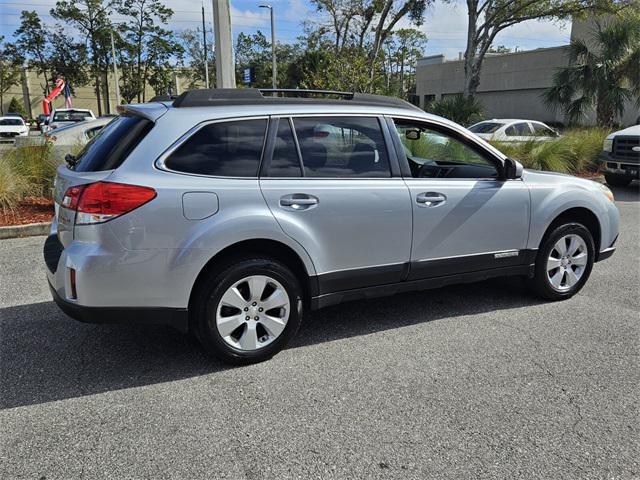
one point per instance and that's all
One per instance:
(174, 317)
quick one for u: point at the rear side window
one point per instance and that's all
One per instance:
(224, 149)
(338, 147)
(111, 146)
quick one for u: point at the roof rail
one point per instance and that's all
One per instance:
(162, 98)
(299, 92)
(222, 96)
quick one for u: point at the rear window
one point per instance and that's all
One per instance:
(224, 149)
(109, 148)
(485, 127)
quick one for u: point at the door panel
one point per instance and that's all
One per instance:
(478, 219)
(358, 232)
(466, 217)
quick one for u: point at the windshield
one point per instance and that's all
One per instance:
(11, 121)
(485, 127)
(109, 148)
(70, 116)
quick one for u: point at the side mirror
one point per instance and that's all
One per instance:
(512, 169)
(413, 134)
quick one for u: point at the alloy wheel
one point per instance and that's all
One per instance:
(253, 312)
(567, 262)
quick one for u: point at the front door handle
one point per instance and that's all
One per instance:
(298, 201)
(430, 199)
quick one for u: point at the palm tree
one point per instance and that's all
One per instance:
(603, 73)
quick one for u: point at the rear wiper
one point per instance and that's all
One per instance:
(71, 160)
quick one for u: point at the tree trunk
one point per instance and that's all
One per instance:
(98, 96)
(471, 72)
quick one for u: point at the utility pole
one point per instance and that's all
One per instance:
(115, 69)
(225, 71)
(274, 65)
(204, 42)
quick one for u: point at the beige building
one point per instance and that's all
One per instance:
(511, 85)
(29, 92)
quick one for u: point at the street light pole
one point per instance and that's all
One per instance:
(204, 41)
(225, 71)
(274, 66)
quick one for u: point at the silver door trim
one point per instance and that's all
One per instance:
(502, 253)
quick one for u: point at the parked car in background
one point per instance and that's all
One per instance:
(620, 157)
(67, 116)
(513, 130)
(228, 213)
(12, 127)
(73, 137)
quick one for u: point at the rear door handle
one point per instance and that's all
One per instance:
(298, 201)
(430, 199)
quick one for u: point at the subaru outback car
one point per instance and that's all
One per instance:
(228, 213)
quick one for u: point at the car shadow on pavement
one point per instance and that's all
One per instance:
(46, 356)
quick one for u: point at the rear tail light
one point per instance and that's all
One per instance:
(102, 201)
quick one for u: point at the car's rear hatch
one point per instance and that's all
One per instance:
(96, 162)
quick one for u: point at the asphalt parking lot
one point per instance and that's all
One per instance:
(472, 381)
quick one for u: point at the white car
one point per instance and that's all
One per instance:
(76, 133)
(71, 138)
(513, 130)
(68, 116)
(12, 127)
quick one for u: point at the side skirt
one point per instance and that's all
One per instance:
(326, 300)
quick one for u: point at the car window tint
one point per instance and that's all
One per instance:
(112, 145)
(542, 131)
(225, 149)
(433, 154)
(285, 161)
(485, 127)
(518, 130)
(342, 147)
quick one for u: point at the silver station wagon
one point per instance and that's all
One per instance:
(228, 213)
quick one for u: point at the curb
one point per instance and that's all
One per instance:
(28, 230)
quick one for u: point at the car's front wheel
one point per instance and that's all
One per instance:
(564, 262)
(249, 311)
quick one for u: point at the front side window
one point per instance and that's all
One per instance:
(224, 149)
(540, 130)
(338, 147)
(433, 154)
(485, 127)
(518, 130)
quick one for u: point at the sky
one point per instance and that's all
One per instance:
(445, 24)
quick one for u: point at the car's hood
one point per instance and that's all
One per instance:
(634, 130)
(13, 128)
(539, 177)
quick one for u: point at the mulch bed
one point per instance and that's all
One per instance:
(30, 210)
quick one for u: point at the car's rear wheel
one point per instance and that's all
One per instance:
(564, 262)
(249, 311)
(617, 180)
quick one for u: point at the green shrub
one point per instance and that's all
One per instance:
(575, 152)
(465, 111)
(13, 186)
(35, 164)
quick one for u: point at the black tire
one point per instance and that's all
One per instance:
(214, 287)
(616, 180)
(540, 283)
